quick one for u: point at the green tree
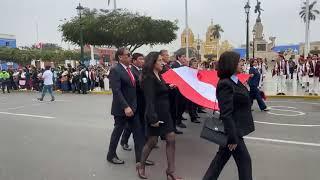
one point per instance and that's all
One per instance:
(217, 30)
(312, 11)
(119, 28)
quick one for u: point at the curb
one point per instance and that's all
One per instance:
(59, 92)
(294, 97)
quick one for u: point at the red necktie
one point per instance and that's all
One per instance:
(131, 77)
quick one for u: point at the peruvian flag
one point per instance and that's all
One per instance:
(199, 86)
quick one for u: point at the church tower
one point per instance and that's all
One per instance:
(184, 38)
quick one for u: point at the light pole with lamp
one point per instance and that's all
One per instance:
(253, 43)
(198, 48)
(80, 11)
(247, 10)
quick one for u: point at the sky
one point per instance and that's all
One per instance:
(280, 18)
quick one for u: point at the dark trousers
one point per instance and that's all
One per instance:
(241, 157)
(255, 94)
(173, 107)
(120, 124)
(4, 85)
(192, 110)
(127, 132)
(180, 106)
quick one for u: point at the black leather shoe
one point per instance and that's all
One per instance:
(116, 160)
(183, 119)
(195, 121)
(126, 147)
(181, 125)
(40, 99)
(201, 111)
(149, 163)
(178, 132)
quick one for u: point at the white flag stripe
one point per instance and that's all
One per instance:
(189, 75)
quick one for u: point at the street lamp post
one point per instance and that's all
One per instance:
(80, 10)
(198, 48)
(247, 10)
(254, 43)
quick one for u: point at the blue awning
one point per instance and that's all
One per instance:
(241, 51)
(283, 48)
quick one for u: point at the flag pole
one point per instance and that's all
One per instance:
(187, 30)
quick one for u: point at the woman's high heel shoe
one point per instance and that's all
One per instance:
(141, 172)
(170, 176)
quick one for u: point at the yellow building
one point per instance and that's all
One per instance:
(209, 47)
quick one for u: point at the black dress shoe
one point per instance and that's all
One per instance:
(181, 125)
(178, 132)
(201, 111)
(149, 163)
(195, 121)
(126, 147)
(116, 160)
(40, 99)
(183, 119)
(266, 110)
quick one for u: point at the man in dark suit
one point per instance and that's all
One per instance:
(172, 93)
(124, 106)
(136, 69)
(180, 101)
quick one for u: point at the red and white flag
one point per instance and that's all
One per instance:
(199, 86)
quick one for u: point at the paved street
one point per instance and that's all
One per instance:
(67, 140)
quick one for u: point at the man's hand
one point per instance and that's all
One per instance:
(156, 124)
(232, 147)
(128, 111)
(172, 86)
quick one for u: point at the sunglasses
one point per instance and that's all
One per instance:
(129, 55)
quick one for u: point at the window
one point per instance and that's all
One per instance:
(7, 44)
(261, 47)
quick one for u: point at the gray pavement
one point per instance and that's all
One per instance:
(67, 140)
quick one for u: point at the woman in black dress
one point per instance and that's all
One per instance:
(235, 113)
(157, 114)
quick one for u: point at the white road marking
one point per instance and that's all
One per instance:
(297, 102)
(28, 115)
(293, 125)
(20, 107)
(283, 141)
(293, 112)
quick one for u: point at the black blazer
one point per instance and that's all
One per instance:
(123, 91)
(157, 99)
(140, 96)
(235, 109)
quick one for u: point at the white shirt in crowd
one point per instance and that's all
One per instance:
(48, 77)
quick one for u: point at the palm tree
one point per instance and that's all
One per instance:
(217, 30)
(312, 11)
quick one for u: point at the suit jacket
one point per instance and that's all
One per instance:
(140, 96)
(175, 64)
(255, 80)
(317, 69)
(157, 100)
(123, 91)
(235, 109)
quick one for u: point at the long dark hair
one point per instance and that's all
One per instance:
(149, 62)
(228, 64)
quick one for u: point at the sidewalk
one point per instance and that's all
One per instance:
(293, 89)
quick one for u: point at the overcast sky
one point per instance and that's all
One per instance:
(280, 18)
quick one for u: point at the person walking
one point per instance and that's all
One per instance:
(292, 67)
(172, 92)
(4, 80)
(157, 114)
(47, 77)
(235, 112)
(124, 106)
(254, 82)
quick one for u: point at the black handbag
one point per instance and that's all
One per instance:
(213, 131)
